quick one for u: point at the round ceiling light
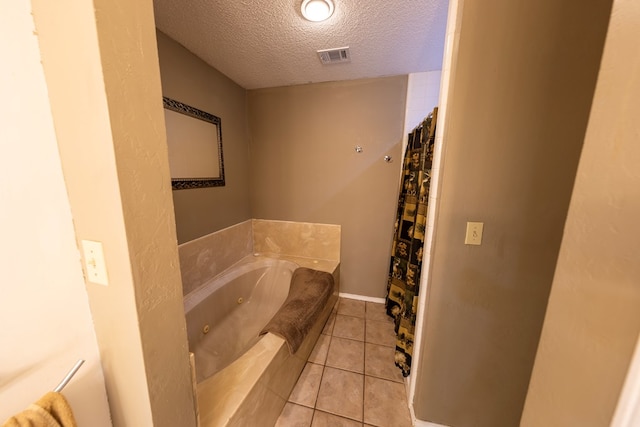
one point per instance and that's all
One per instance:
(317, 10)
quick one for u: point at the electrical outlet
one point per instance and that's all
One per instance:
(94, 262)
(474, 233)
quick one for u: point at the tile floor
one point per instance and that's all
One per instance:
(350, 378)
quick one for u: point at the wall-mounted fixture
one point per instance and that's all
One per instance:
(317, 10)
(194, 139)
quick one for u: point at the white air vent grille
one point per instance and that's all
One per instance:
(335, 56)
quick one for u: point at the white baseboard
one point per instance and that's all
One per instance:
(407, 384)
(420, 423)
(362, 298)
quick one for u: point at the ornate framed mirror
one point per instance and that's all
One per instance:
(194, 138)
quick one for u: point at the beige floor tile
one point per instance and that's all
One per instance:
(305, 391)
(376, 311)
(379, 362)
(351, 307)
(349, 327)
(341, 393)
(319, 353)
(322, 419)
(380, 333)
(328, 327)
(346, 354)
(385, 403)
(295, 416)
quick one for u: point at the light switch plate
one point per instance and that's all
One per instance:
(94, 262)
(474, 233)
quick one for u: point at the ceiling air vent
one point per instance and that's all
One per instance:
(334, 56)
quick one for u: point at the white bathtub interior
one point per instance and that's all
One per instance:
(226, 314)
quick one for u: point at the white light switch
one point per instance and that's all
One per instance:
(474, 233)
(94, 262)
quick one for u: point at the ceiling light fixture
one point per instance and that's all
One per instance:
(317, 10)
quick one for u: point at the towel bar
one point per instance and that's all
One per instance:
(69, 375)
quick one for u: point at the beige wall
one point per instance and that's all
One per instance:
(190, 80)
(517, 112)
(304, 166)
(593, 319)
(101, 69)
(44, 310)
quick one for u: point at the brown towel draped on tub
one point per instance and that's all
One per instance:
(52, 410)
(308, 294)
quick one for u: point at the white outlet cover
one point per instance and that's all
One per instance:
(94, 262)
(474, 233)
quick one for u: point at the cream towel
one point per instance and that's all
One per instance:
(52, 410)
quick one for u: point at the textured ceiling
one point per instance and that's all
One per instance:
(267, 43)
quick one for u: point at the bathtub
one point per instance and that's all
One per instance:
(225, 315)
(243, 378)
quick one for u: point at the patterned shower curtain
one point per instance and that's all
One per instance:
(409, 234)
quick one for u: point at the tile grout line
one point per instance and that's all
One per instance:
(364, 368)
(363, 338)
(344, 370)
(364, 342)
(324, 366)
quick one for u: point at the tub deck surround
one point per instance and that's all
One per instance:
(253, 389)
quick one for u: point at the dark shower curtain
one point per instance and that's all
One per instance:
(409, 235)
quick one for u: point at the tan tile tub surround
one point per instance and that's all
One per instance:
(302, 239)
(310, 245)
(204, 258)
(254, 388)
